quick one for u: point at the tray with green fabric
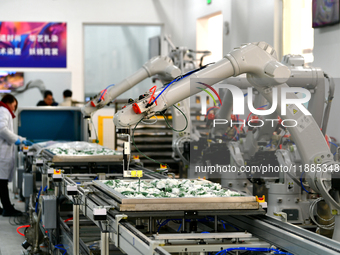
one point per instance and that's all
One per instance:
(174, 194)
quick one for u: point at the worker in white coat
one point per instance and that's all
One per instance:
(67, 94)
(8, 140)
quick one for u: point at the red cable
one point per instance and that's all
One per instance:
(68, 219)
(332, 138)
(210, 109)
(153, 93)
(242, 126)
(327, 140)
(237, 132)
(249, 116)
(103, 94)
(24, 226)
(252, 113)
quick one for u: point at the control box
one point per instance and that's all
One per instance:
(49, 212)
(27, 185)
(19, 178)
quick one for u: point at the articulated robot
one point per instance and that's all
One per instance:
(260, 145)
(308, 77)
(268, 76)
(161, 66)
(163, 69)
(185, 60)
(30, 85)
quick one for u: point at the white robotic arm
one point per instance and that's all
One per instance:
(163, 66)
(312, 146)
(32, 84)
(310, 78)
(258, 60)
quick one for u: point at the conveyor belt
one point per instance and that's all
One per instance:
(67, 232)
(181, 214)
(149, 174)
(142, 237)
(285, 235)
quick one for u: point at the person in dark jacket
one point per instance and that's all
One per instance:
(48, 99)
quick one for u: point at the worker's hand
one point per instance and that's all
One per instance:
(27, 143)
(17, 142)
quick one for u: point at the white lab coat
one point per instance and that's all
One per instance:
(7, 146)
(67, 102)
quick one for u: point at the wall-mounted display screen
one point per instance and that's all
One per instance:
(325, 13)
(33, 44)
(10, 81)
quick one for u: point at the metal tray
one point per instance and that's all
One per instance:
(74, 159)
(178, 204)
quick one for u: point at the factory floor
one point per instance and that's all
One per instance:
(10, 240)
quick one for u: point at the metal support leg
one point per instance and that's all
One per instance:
(336, 233)
(44, 180)
(36, 249)
(76, 229)
(56, 190)
(116, 227)
(104, 243)
(216, 223)
(150, 225)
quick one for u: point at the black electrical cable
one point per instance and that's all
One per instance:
(133, 141)
(100, 226)
(18, 220)
(166, 120)
(279, 143)
(178, 78)
(9, 220)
